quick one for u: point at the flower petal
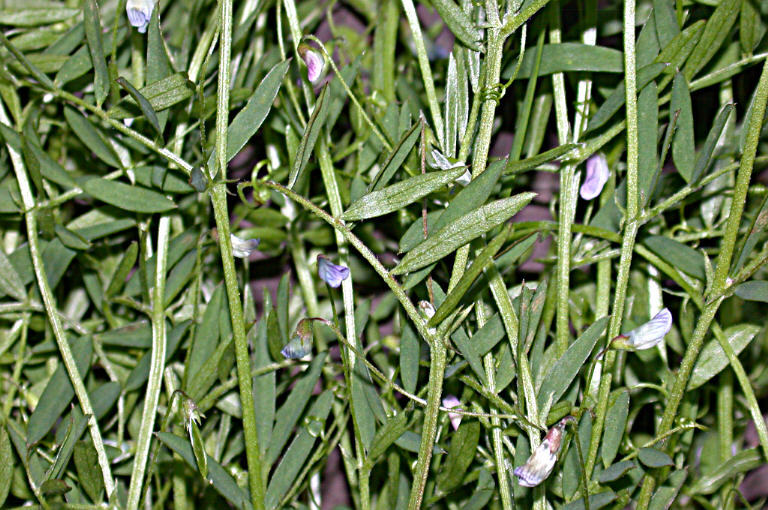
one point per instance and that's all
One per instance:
(331, 273)
(139, 13)
(450, 402)
(597, 176)
(242, 248)
(314, 60)
(652, 332)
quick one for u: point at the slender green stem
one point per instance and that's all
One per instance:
(426, 71)
(157, 362)
(630, 230)
(53, 315)
(219, 199)
(429, 428)
(720, 282)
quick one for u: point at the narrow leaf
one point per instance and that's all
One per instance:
(397, 196)
(461, 231)
(309, 139)
(129, 198)
(93, 35)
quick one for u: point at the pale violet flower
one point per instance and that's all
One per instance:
(331, 273)
(541, 462)
(647, 335)
(450, 402)
(301, 342)
(242, 248)
(139, 13)
(597, 176)
(314, 60)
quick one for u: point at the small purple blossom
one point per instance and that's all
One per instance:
(597, 176)
(242, 248)
(331, 273)
(314, 60)
(646, 335)
(139, 13)
(451, 402)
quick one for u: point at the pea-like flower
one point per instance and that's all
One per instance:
(597, 176)
(315, 61)
(331, 273)
(139, 13)
(647, 335)
(301, 342)
(541, 462)
(242, 248)
(451, 402)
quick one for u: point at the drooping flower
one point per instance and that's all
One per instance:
(314, 60)
(450, 402)
(541, 462)
(597, 176)
(646, 335)
(242, 248)
(301, 342)
(139, 13)
(331, 273)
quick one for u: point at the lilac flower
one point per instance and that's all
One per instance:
(242, 248)
(331, 273)
(541, 462)
(139, 13)
(646, 335)
(450, 402)
(314, 60)
(301, 342)
(597, 176)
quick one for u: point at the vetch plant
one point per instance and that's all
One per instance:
(475, 287)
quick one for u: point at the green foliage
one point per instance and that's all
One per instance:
(141, 356)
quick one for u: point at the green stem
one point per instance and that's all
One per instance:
(426, 71)
(429, 429)
(630, 230)
(720, 282)
(157, 362)
(219, 199)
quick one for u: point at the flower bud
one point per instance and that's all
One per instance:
(541, 462)
(450, 402)
(315, 61)
(597, 176)
(301, 342)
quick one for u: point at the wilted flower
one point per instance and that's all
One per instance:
(314, 60)
(242, 248)
(541, 462)
(647, 335)
(597, 176)
(139, 13)
(301, 342)
(450, 402)
(191, 413)
(331, 273)
(427, 309)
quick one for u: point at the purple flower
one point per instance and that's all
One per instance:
(646, 335)
(597, 176)
(314, 60)
(242, 248)
(331, 274)
(301, 342)
(450, 402)
(139, 13)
